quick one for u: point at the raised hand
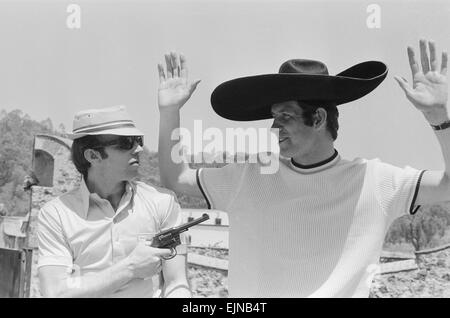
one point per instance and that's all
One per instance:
(174, 87)
(429, 91)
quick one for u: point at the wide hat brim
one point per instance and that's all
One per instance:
(251, 98)
(125, 131)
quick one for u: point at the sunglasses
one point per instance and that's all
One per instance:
(124, 142)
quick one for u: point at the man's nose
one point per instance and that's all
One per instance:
(138, 149)
(276, 124)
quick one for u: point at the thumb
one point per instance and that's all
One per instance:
(194, 85)
(403, 84)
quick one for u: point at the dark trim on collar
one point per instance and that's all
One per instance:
(315, 165)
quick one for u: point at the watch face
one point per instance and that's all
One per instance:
(442, 126)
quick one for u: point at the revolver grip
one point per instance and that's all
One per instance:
(166, 241)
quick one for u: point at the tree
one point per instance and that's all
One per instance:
(17, 132)
(425, 229)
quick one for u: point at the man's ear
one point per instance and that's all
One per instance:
(92, 156)
(320, 118)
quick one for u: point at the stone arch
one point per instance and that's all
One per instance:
(55, 174)
(43, 167)
(51, 160)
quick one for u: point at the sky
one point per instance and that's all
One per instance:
(51, 71)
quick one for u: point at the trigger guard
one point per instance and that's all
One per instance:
(174, 253)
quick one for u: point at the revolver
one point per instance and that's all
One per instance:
(170, 238)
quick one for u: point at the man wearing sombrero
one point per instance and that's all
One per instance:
(94, 241)
(315, 228)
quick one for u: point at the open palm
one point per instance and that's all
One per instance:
(429, 90)
(174, 87)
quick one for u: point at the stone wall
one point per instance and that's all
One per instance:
(62, 172)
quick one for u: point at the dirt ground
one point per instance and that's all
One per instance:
(432, 279)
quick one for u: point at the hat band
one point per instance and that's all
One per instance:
(105, 126)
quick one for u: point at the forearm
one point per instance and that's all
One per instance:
(178, 290)
(175, 275)
(435, 185)
(443, 136)
(103, 283)
(171, 161)
(429, 94)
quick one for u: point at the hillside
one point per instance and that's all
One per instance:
(17, 132)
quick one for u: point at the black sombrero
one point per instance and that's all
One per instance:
(251, 98)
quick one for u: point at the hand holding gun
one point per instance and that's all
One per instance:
(170, 238)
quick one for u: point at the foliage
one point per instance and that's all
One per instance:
(426, 229)
(17, 132)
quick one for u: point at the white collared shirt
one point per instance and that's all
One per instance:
(82, 231)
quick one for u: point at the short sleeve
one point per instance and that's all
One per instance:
(397, 188)
(220, 185)
(53, 247)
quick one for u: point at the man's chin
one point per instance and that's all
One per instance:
(286, 153)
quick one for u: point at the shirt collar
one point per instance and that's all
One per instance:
(86, 195)
(320, 166)
(84, 192)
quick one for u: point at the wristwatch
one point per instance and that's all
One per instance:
(444, 125)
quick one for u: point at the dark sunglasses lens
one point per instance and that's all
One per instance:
(140, 141)
(127, 143)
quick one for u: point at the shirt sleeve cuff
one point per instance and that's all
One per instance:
(202, 190)
(54, 261)
(413, 208)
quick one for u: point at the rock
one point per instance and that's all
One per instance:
(441, 263)
(422, 274)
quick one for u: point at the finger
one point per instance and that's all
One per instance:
(160, 251)
(183, 70)
(162, 76)
(444, 63)
(175, 64)
(424, 57)
(403, 84)
(168, 66)
(433, 60)
(412, 61)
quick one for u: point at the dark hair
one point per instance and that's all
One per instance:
(309, 110)
(79, 145)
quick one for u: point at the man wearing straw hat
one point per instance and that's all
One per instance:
(315, 227)
(94, 241)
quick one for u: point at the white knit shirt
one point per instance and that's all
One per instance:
(308, 232)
